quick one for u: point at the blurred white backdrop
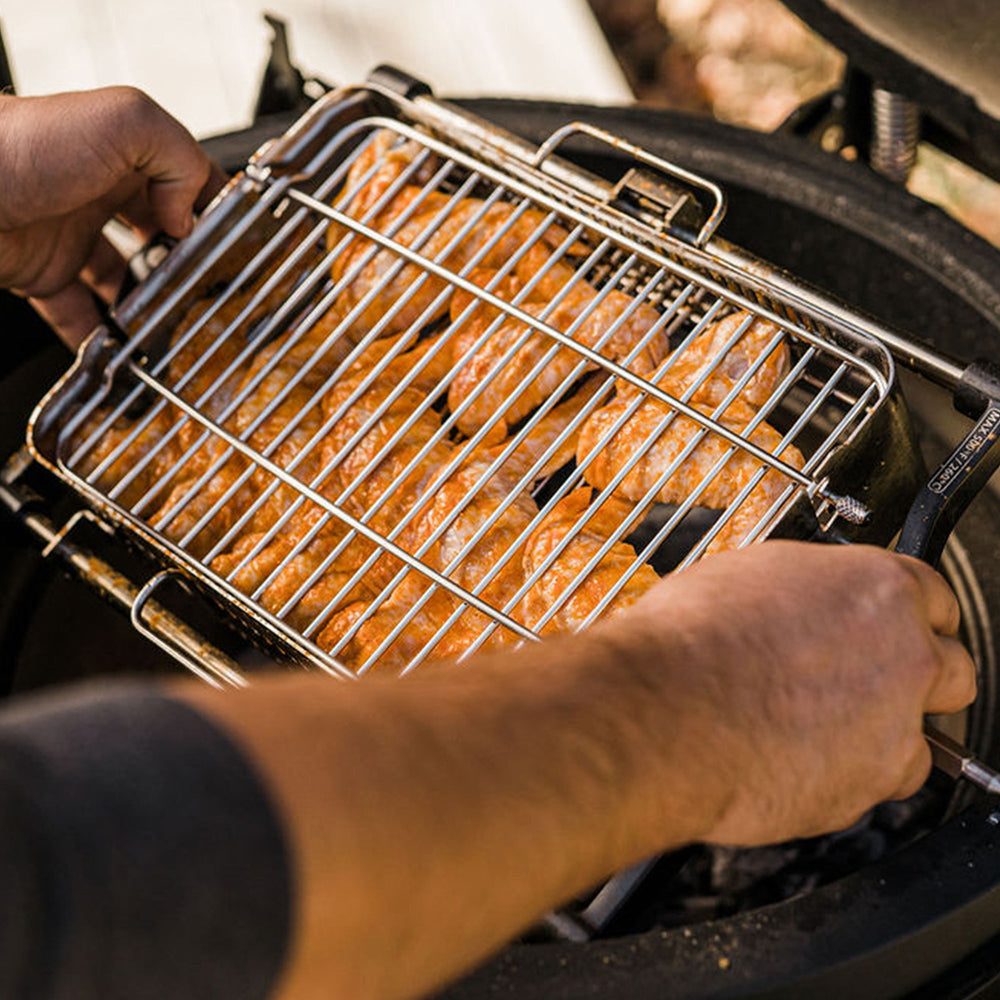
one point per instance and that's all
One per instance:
(203, 59)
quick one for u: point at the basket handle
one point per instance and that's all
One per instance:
(173, 637)
(936, 510)
(711, 223)
(945, 497)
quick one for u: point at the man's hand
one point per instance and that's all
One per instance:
(804, 677)
(69, 163)
(764, 694)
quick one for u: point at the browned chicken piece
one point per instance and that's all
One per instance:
(431, 211)
(353, 448)
(509, 393)
(207, 353)
(391, 157)
(702, 356)
(550, 590)
(418, 631)
(751, 511)
(165, 433)
(158, 443)
(545, 593)
(451, 494)
(414, 636)
(248, 571)
(143, 458)
(294, 571)
(666, 446)
(308, 463)
(284, 435)
(294, 452)
(706, 357)
(443, 222)
(297, 349)
(191, 502)
(499, 548)
(497, 542)
(292, 420)
(307, 582)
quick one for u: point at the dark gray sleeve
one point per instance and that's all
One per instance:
(139, 854)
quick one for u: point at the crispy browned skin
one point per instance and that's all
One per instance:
(429, 222)
(660, 446)
(642, 433)
(401, 302)
(266, 558)
(444, 529)
(204, 347)
(163, 434)
(707, 358)
(281, 428)
(549, 591)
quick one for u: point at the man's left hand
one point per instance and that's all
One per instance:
(69, 163)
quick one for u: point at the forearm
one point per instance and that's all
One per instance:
(432, 819)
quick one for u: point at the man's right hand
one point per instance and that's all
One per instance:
(764, 694)
(803, 679)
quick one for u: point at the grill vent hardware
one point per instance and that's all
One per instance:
(209, 417)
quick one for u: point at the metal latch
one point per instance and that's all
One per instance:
(658, 202)
(651, 186)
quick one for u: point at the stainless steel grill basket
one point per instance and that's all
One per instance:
(414, 388)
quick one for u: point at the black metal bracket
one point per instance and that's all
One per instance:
(284, 87)
(943, 500)
(842, 119)
(839, 119)
(398, 82)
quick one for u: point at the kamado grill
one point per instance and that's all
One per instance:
(417, 387)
